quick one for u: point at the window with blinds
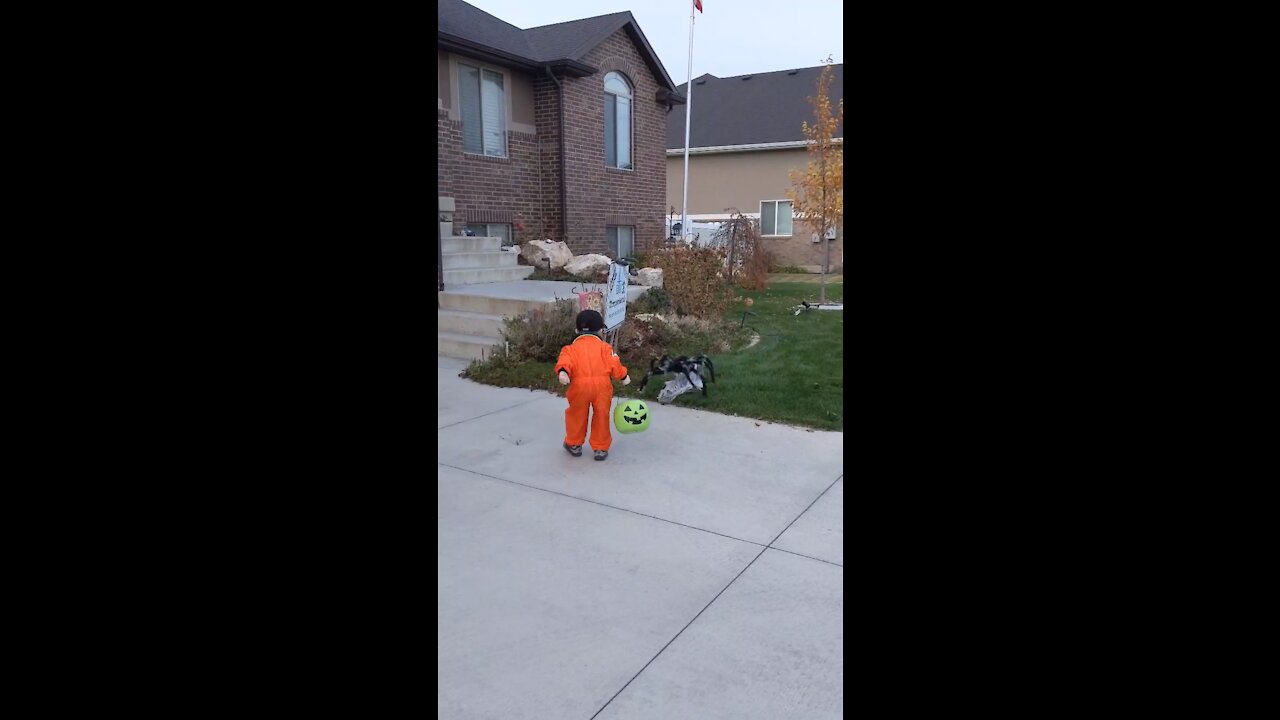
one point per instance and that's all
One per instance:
(621, 239)
(617, 121)
(484, 111)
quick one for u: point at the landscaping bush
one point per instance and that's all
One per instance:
(653, 300)
(540, 333)
(640, 341)
(791, 269)
(697, 335)
(694, 279)
(542, 273)
(749, 259)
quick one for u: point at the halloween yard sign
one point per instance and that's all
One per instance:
(616, 297)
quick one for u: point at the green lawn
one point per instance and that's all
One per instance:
(793, 375)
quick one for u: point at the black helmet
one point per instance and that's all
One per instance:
(590, 321)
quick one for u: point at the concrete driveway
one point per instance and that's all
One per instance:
(697, 573)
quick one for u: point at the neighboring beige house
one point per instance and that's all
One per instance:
(746, 137)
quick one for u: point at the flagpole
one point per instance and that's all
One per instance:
(688, 114)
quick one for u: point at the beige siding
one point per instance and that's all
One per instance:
(521, 97)
(741, 180)
(723, 180)
(518, 85)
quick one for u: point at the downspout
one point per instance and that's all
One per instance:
(564, 186)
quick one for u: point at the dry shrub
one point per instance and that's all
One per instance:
(642, 339)
(540, 333)
(653, 300)
(694, 279)
(748, 258)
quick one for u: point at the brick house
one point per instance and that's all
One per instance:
(744, 139)
(553, 132)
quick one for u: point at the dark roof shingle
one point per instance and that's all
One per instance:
(573, 39)
(766, 108)
(547, 43)
(470, 22)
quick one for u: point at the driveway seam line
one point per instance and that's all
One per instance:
(792, 552)
(713, 600)
(677, 635)
(612, 507)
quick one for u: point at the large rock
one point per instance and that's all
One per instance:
(538, 251)
(587, 266)
(650, 277)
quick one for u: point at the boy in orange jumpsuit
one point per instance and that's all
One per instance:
(587, 367)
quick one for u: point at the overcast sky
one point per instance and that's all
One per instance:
(730, 37)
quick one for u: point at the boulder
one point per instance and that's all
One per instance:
(536, 252)
(650, 277)
(587, 266)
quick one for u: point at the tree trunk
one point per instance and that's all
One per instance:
(826, 265)
(822, 234)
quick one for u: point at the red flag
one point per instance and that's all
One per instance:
(698, 4)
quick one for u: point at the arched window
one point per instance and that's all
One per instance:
(617, 121)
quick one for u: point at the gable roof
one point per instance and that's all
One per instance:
(560, 46)
(751, 109)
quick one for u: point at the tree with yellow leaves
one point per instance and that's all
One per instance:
(817, 192)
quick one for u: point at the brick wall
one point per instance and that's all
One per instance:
(600, 196)
(526, 184)
(489, 189)
(801, 250)
(546, 115)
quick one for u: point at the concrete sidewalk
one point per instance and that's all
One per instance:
(697, 573)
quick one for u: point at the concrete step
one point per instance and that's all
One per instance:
(465, 347)
(469, 323)
(455, 299)
(471, 260)
(469, 244)
(471, 276)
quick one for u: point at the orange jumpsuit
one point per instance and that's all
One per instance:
(590, 363)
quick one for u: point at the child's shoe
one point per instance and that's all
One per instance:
(602, 454)
(574, 450)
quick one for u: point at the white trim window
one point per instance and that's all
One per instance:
(775, 218)
(621, 240)
(498, 230)
(482, 94)
(617, 121)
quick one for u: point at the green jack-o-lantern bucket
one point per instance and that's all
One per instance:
(631, 416)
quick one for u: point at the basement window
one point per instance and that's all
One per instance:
(498, 230)
(621, 240)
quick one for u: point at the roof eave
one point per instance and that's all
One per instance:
(666, 96)
(571, 68)
(485, 52)
(752, 147)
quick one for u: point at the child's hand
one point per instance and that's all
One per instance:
(564, 378)
(626, 380)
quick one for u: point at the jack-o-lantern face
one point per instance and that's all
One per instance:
(631, 416)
